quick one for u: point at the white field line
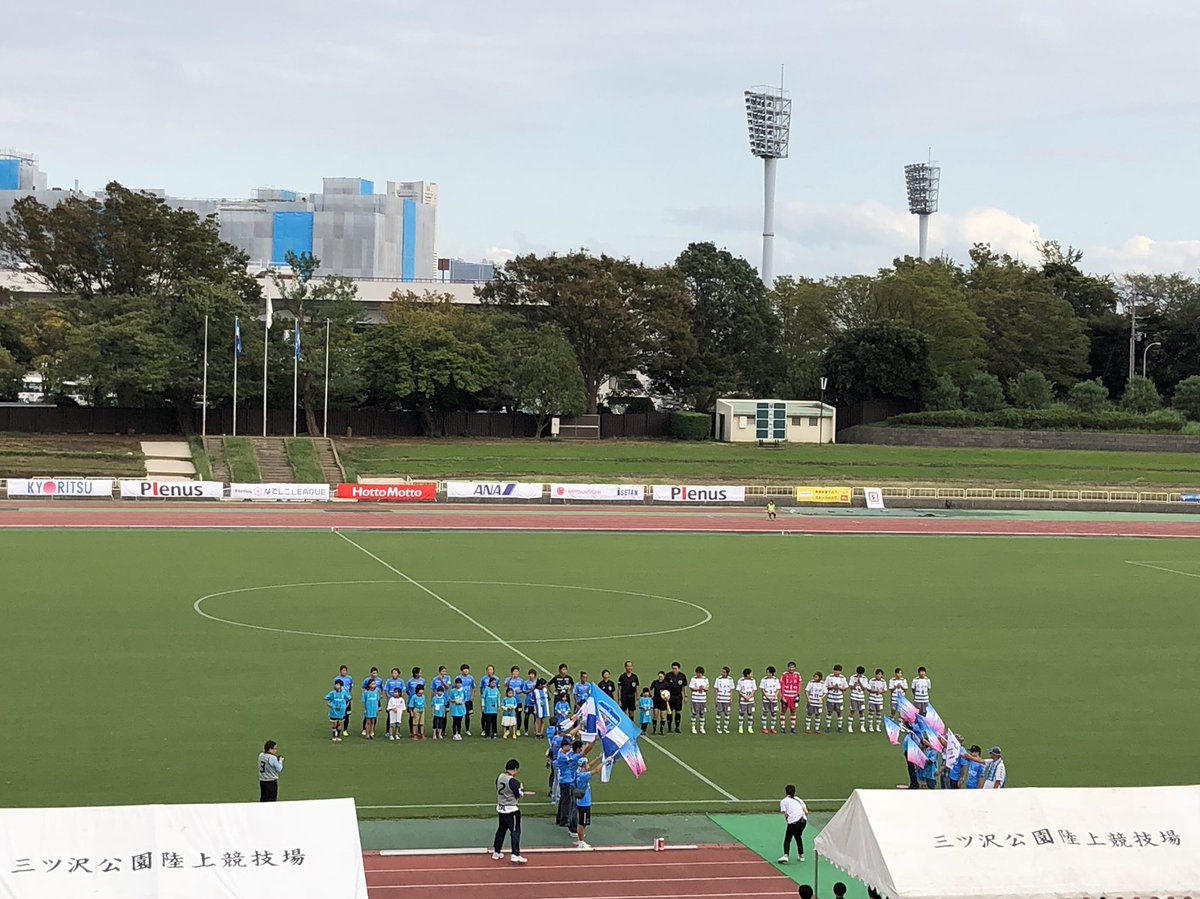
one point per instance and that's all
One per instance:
(1158, 567)
(607, 803)
(532, 661)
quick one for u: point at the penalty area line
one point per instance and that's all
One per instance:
(532, 661)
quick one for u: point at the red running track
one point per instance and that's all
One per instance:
(716, 872)
(559, 518)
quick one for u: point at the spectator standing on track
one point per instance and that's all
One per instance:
(270, 766)
(795, 812)
(994, 774)
(508, 809)
(676, 683)
(627, 690)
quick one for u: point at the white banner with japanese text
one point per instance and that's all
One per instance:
(245, 849)
(300, 493)
(630, 493)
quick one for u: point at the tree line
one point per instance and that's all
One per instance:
(134, 279)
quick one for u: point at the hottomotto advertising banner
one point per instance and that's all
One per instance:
(312, 493)
(297, 849)
(685, 494)
(827, 495)
(78, 488)
(388, 493)
(172, 489)
(493, 490)
(633, 493)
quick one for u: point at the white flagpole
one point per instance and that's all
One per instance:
(325, 423)
(204, 388)
(237, 338)
(266, 347)
(295, 377)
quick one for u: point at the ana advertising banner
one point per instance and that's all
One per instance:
(388, 493)
(172, 489)
(687, 494)
(633, 493)
(297, 849)
(493, 490)
(77, 488)
(826, 495)
(311, 493)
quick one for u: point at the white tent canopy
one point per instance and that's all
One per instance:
(1020, 843)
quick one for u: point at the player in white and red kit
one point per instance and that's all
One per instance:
(816, 695)
(858, 698)
(835, 687)
(790, 685)
(770, 701)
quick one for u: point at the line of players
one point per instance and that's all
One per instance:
(780, 700)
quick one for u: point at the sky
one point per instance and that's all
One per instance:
(620, 127)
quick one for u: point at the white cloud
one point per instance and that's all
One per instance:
(1145, 254)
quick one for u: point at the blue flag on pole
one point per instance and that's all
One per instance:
(618, 735)
(237, 339)
(296, 338)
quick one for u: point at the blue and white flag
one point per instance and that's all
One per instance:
(237, 339)
(296, 338)
(618, 735)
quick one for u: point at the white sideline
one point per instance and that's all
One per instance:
(548, 849)
(532, 661)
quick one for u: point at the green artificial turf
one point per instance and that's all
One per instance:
(665, 461)
(119, 692)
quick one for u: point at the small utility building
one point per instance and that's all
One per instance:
(775, 421)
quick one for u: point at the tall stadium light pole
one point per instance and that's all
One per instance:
(769, 119)
(923, 182)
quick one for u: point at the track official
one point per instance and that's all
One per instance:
(508, 810)
(270, 766)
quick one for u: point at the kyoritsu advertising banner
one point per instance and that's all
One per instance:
(75, 488)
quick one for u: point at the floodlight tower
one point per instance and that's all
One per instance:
(923, 180)
(769, 117)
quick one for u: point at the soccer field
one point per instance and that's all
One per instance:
(130, 682)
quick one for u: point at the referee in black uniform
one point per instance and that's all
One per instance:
(627, 691)
(676, 682)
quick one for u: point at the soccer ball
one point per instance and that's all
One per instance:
(664, 695)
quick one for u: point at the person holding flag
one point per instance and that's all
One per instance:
(583, 800)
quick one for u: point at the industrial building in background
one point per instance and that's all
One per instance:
(769, 118)
(351, 228)
(923, 180)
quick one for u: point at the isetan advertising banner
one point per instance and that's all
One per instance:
(631, 493)
(687, 494)
(74, 488)
(388, 493)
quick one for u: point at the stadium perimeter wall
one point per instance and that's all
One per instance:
(978, 438)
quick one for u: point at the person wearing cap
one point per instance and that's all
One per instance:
(994, 774)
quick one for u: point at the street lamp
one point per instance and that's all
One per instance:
(923, 181)
(769, 119)
(1147, 350)
(821, 429)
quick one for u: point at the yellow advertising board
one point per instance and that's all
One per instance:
(824, 495)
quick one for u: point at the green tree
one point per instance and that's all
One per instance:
(943, 396)
(983, 392)
(879, 361)
(426, 356)
(734, 327)
(1140, 395)
(1030, 390)
(617, 315)
(1089, 396)
(1187, 397)
(1090, 296)
(312, 302)
(931, 297)
(11, 372)
(1027, 325)
(538, 371)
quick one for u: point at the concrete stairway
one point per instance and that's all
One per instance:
(331, 468)
(273, 462)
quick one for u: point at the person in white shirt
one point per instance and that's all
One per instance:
(698, 690)
(897, 687)
(796, 814)
(876, 688)
(835, 689)
(724, 687)
(770, 701)
(994, 773)
(858, 698)
(395, 710)
(816, 695)
(920, 688)
(746, 688)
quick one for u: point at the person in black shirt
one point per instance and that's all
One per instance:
(627, 688)
(562, 682)
(607, 684)
(676, 682)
